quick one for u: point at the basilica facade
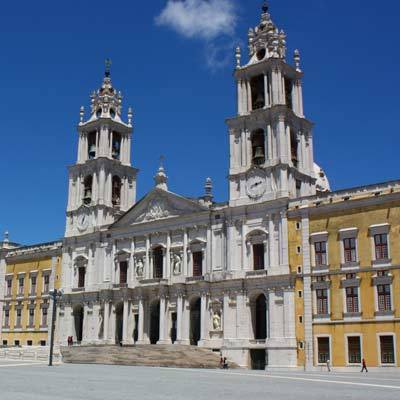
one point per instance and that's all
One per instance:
(169, 269)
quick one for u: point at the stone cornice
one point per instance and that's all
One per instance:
(43, 250)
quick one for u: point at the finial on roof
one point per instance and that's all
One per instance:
(238, 57)
(6, 237)
(265, 7)
(81, 114)
(161, 178)
(130, 115)
(208, 197)
(107, 72)
(297, 60)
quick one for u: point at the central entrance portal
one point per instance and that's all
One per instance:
(195, 324)
(119, 322)
(154, 322)
(78, 323)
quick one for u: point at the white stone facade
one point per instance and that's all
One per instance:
(172, 269)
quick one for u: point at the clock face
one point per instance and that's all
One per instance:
(83, 222)
(256, 185)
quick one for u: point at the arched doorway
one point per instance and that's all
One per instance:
(154, 322)
(78, 314)
(119, 322)
(195, 322)
(260, 318)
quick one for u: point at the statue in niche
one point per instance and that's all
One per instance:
(100, 327)
(177, 263)
(216, 321)
(139, 267)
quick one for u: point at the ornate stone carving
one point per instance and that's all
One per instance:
(139, 267)
(157, 210)
(176, 263)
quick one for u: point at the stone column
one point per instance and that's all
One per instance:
(239, 97)
(168, 256)
(185, 246)
(106, 321)
(266, 91)
(164, 264)
(179, 315)
(147, 273)
(162, 337)
(125, 338)
(185, 326)
(244, 246)
(208, 268)
(204, 318)
(141, 321)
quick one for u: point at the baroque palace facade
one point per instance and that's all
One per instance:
(285, 274)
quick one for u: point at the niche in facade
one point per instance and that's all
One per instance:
(116, 191)
(293, 147)
(92, 145)
(116, 146)
(87, 190)
(288, 93)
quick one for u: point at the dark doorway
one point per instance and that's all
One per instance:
(195, 324)
(136, 330)
(258, 256)
(258, 359)
(158, 263)
(123, 272)
(260, 323)
(119, 322)
(154, 323)
(173, 327)
(78, 323)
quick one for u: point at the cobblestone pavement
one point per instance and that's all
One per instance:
(21, 381)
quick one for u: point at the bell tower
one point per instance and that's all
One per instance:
(102, 183)
(271, 145)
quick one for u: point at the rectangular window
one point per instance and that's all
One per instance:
(21, 286)
(29, 342)
(384, 298)
(33, 285)
(352, 300)
(5, 342)
(354, 349)
(81, 277)
(123, 272)
(6, 318)
(381, 246)
(387, 349)
(16, 343)
(44, 317)
(43, 343)
(320, 253)
(197, 263)
(258, 256)
(46, 283)
(322, 301)
(323, 350)
(9, 287)
(350, 252)
(31, 317)
(19, 317)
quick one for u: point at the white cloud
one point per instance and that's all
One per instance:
(204, 19)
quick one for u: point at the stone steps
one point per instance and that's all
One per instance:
(178, 356)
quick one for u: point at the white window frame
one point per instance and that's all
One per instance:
(346, 344)
(377, 230)
(317, 350)
(348, 233)
(376, 299)
(345, 311)
(378, 338)
(315, 238)
(315, 307)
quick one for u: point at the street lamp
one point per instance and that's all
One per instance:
(55, 295)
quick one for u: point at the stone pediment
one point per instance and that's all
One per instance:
(156, 205)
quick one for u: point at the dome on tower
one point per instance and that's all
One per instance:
(322, 184)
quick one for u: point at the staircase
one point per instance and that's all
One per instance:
(177, 356)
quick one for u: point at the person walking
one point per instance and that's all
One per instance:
(328, 365)
(364, 366)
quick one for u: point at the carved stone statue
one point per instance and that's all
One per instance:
(177, 264)
(216, 322)
(139, 267)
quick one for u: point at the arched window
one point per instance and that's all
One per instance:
(116, 146)
(257, 92)
(258, 147)
(92, 145)
(116, 190)
(87, 191)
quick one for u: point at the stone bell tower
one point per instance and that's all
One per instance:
(271, 145)
(102, 183)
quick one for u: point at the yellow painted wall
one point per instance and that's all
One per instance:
(25, 333)
(369, 327)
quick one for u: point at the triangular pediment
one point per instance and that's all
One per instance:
(156, 205)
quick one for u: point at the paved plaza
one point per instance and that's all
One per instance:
(31, 381)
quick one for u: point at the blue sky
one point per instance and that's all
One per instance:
(52, 57)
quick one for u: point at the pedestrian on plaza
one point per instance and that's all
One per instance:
(226, 366)
(221, 362)
(364, 366)
(328, 365)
